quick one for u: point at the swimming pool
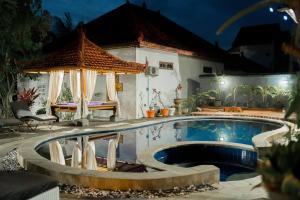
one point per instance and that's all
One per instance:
(134, 141)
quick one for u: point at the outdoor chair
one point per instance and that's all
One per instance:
(24, 185)
(10, 124)
(22, 112)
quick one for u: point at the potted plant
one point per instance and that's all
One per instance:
(164, 111)
(29, 96)
(172, 111)
(189, 104)
(150, 112)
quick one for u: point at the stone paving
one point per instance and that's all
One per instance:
(226, 190)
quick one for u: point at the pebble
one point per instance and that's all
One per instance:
(82, 192)
(9, 162)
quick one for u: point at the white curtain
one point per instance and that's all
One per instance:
(111, 90)
(75, 90)
(91, 77)
(55, 83)
(91, 162)
(56, 153)
(76, 156)
(111, 153)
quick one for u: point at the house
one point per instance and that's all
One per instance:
(174, 55)
(262, 44)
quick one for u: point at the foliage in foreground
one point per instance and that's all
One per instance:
(280, 169)
(24, 26)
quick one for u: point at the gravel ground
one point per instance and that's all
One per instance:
(10, 163)
(90, 193)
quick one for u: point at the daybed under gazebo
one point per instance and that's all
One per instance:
(83, 60)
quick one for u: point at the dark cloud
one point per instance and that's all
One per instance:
(202, 17)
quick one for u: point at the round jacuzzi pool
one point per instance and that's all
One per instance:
(235, 163)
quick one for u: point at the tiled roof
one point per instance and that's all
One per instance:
(82, 53)
(131, 25)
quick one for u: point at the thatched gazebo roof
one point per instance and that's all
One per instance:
(83, 54)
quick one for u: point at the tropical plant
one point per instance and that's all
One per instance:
(28, 96)
(246, 91)
(280, 169)
(190, 103)
(23, 28)
(65, 95)
(268, 92)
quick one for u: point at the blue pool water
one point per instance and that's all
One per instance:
(134, 141)
(237, 131)
(231, 160)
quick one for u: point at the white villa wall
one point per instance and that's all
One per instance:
(192, 67)
(166, 82)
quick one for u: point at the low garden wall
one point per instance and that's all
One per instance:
(259, 91)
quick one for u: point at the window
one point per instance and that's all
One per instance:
(166, 65)
(207, 70)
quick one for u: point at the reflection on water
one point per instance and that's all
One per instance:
(122, 148)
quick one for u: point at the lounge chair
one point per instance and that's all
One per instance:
(10, 124)
(22, 112)
(25, 185)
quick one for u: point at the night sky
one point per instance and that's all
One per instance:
(202, 17)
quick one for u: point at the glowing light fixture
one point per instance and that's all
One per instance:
(290, 12)
(271, 9)
(222, 82)
(284, 82)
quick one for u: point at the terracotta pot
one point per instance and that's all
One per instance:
(150, 113)
(164, 112)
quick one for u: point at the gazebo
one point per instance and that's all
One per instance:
(83, 60)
